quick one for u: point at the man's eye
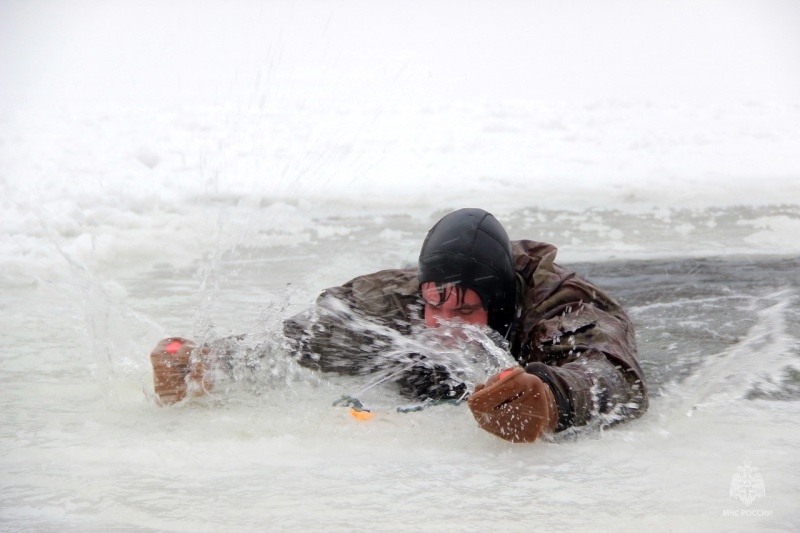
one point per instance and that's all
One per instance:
(466, 312)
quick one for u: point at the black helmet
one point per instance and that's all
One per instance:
(470, 248)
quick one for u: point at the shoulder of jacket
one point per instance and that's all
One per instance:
(533, 256)
(532, 249)
(391, 281)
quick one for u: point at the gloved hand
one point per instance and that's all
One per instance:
(178, 370)
(431, 383)
(518, 407)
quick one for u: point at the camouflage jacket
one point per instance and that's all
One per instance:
(572, 335)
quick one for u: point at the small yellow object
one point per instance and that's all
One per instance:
(361, 415)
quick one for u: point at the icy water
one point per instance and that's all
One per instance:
(85, 447)
(205, 169)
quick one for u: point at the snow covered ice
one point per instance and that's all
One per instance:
(183, 169)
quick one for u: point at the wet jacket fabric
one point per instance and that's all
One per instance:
(569, 333)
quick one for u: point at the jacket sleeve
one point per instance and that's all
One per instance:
(355, 329)
(348, 325)
(578, 340)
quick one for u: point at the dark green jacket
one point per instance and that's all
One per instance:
(571, 334)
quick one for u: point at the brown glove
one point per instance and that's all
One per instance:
(178, 370)
(514, 406)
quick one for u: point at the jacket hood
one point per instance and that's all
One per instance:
(469, 247)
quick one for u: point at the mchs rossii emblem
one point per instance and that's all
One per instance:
(747, 484)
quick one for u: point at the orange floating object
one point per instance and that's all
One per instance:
(361, 415)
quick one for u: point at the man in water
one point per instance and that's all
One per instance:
(574, 343)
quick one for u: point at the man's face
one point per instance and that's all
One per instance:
(450, 303)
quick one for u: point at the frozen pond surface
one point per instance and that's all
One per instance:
(192, 169)
(84, 446)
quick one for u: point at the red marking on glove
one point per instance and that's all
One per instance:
(173, 347)
(504, 373)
